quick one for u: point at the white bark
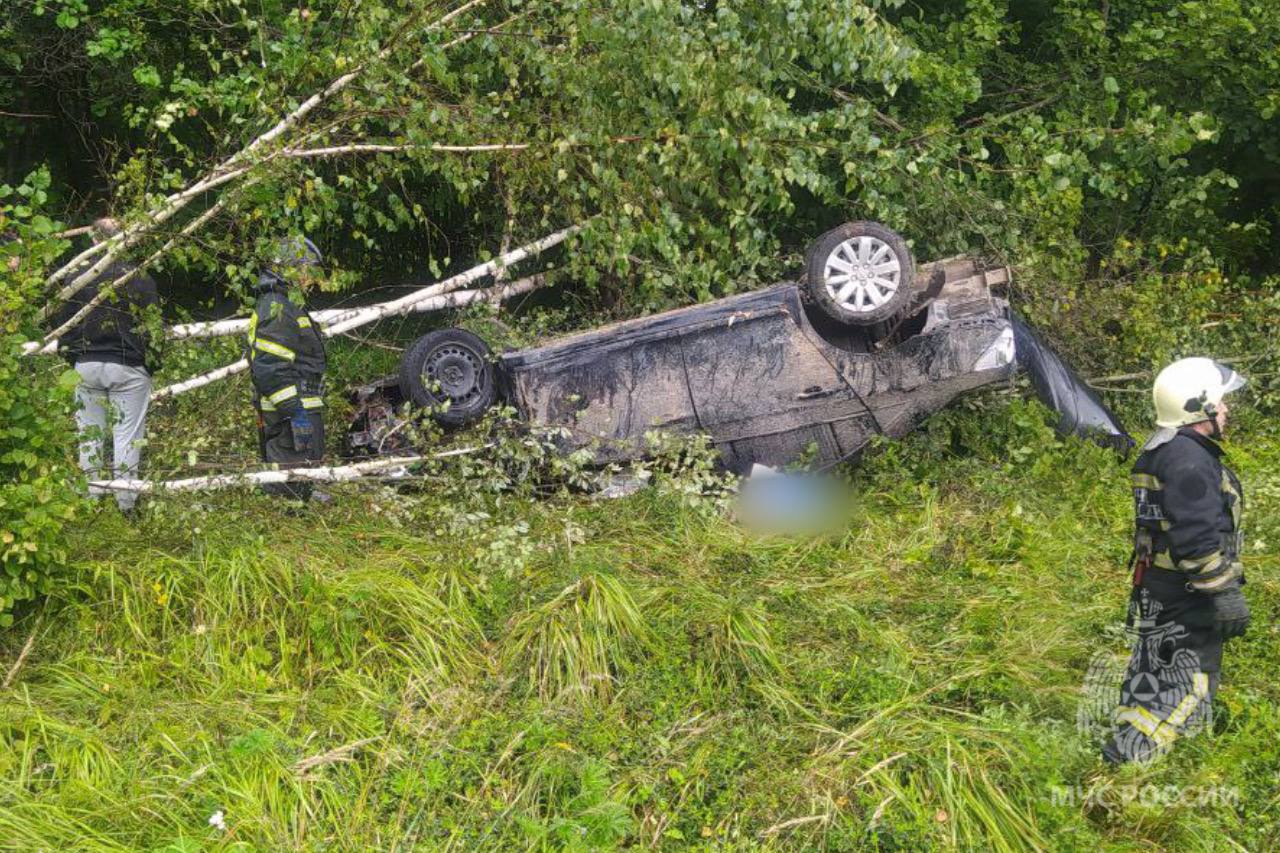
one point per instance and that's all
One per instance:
(221, 328)
(322, 474)
(201, 380)
(378, 148)
(113, 247)
(76, 263)
(405, 304)
(240, 325)
(470, 34)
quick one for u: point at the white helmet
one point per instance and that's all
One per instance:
(1189, 391)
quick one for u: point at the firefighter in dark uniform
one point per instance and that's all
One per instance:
(1188, 580)
(287, 364)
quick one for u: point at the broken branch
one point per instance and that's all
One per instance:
(405, 304)
(373, 148)
(112, 247)
(109, 289)
(22, 655)
(324, 474)
(238, 325)
(202, 380)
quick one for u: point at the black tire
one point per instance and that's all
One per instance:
(885, 249)
(449, 372)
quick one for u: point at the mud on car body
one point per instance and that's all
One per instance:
(863, 345)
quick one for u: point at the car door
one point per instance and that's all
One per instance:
(766, 387)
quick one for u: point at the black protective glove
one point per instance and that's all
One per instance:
(304, 431)
(1231, 612)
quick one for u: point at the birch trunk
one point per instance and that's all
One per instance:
(104, 292)
(319, 474)
(405, 304)
(113, 247)
(202, 380)
(323, 474)
(240, 325)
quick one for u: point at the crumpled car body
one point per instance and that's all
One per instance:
(768, 379)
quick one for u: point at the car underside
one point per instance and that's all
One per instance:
(812, 369)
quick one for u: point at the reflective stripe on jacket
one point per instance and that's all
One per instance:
(1187, 508)
(285, 351)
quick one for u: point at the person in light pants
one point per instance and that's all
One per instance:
(113, 402)
(115, 356)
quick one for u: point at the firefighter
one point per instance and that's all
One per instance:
(287, 364)
(1188, 580)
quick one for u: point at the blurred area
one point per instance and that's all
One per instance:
(786, 503)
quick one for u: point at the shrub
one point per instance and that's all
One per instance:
(37, 478)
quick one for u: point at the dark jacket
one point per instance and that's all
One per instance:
(1187, 508)
(286, 352)
(115, 330)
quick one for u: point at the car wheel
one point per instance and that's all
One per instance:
(450, 372)
(859, 274)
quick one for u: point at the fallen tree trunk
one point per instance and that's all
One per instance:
(323, 474)
(406, 304)
(202, 380)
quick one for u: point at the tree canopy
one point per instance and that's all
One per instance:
(706, 138)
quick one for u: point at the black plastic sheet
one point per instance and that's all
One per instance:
(1081, 411)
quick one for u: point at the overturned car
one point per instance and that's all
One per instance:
(862, 345)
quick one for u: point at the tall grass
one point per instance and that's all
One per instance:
(503, 673)
(580, 640)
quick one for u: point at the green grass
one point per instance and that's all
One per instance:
(462, 668)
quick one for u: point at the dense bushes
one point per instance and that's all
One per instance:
(37, 494)
(1083, 142)
(36, 480)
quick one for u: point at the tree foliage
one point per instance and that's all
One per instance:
(706, 138)
(37, 496)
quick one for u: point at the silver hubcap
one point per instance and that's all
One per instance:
(862, 274)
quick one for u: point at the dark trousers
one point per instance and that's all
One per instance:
(275, 441)
(1173, 673)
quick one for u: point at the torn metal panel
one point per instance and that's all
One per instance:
(1058, 387)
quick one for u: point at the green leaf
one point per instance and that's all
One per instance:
(68, 379)
(147, 75)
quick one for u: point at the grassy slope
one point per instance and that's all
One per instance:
(568, 672)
